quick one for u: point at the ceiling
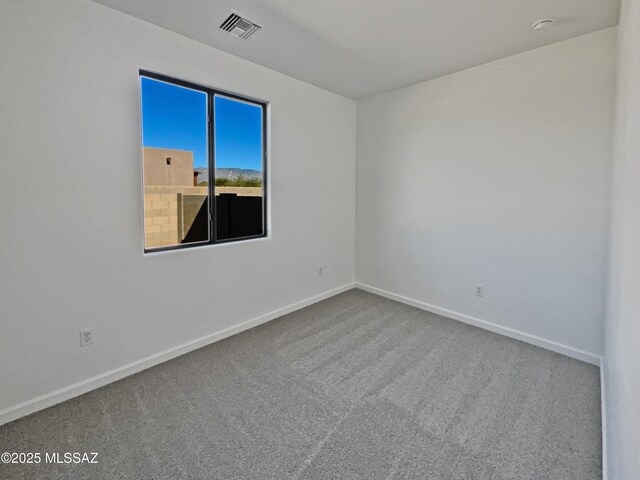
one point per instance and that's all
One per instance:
(360, 48)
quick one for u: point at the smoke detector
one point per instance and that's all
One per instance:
(540, 25)
(240, 27)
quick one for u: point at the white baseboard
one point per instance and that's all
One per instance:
(603, 410)
(493, 327)
(39, 403)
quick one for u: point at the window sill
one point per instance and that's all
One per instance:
(182, 249)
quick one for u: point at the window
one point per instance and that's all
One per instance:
(204, 158)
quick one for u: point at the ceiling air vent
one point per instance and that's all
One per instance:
(239, 26)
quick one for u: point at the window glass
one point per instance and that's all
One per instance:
(239, 168)
(174, 137)
(203, 164)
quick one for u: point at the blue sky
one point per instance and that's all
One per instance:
(238, 133)
(176, 117)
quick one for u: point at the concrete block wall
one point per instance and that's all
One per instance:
(162, 216)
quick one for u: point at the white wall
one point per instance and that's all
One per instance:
(497, 175)
(71, 224)
(622, 327)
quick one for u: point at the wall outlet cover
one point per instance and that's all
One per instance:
(86, 337)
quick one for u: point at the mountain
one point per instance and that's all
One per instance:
(230, 173)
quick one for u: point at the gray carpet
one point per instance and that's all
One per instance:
(356, 386)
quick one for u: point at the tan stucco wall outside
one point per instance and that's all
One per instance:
(178, 173)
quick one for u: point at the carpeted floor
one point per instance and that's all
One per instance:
(356, 386)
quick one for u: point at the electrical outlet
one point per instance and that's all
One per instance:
(86, 337)
(479, 290)
(320, 271)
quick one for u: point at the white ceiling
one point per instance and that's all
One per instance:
(359, 48)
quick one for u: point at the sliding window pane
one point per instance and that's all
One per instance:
(175, 144)
(239, 189)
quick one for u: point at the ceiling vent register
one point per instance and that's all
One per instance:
(239, 26)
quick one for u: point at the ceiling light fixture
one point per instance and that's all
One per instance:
(541, 24)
